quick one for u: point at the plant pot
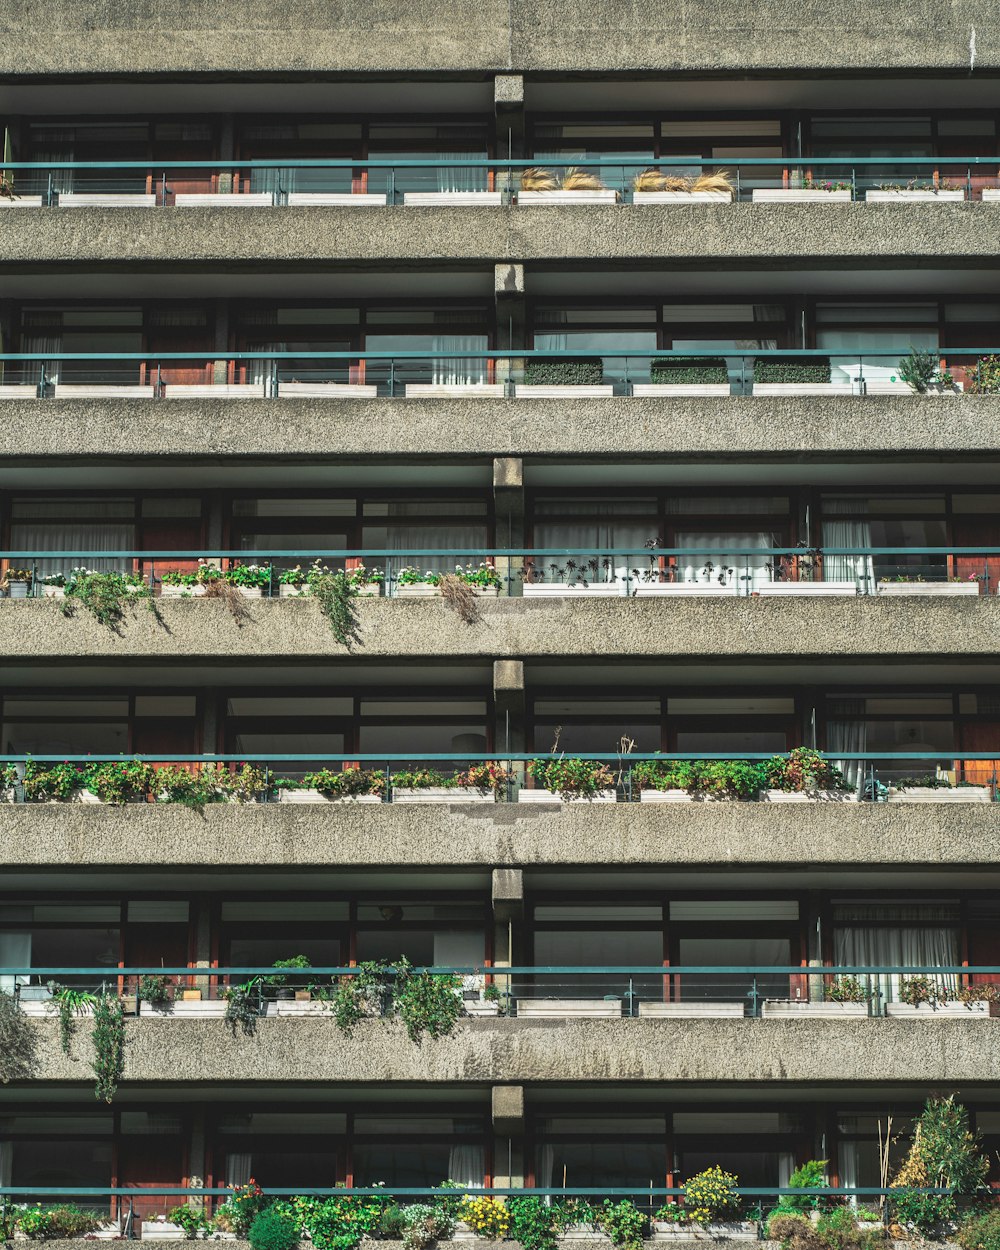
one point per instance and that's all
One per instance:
(582, 1232)
(772, 590)
(182, 592)
(303, 794)
(300, 591)
(665, 796)
(778, 1009)
(84, 796)
(568, 1009)
(17, 590)
(441, 794)
(478, 1007)
(935, 794)
(775, 390)
(943, 1011)
(198, 1009)
(799, 195)
(424, 591)
(339, 199)
(559, 590)
(680, 390)
(463, 1232)
(54, 592)
(434, 199)
(603, 195)
(662, 1231)
(810, 796)
(689, 1010)
(458, 390)
(248, 199)
(947, 589)
(550, 796)
(644, 590)
(913, 197)
(251, 592)
(682, 197)
(533, 390)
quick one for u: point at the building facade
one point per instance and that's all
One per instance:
(409, 288)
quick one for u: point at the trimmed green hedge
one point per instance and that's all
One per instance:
(791, 369)
(689, 371)
(569, 372)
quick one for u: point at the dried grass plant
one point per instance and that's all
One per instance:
(576, 179)
(719, 181)
(238, 605)
(460, 597)
(648, 180)
(674, 182)
(538, 179)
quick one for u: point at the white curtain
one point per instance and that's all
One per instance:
(262, 371)
(458, 177)
(847, 534)
(544, 1178)
(786, 1166)
(457, 370)
(849, 736)
(15, 952)
(749, 573)
(903, 947)
(467, 1165)
(607, 534)
(6, 1162)
(847, 1154)
(86, 536)
(445, 539)
(238, 1167)
(51, 344)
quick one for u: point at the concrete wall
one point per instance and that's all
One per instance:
(727, 429)
(540, 36)
(64, 836)
(740, 235)
(189, 629)
(851, 1052)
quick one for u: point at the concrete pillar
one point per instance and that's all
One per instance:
(220, 369)
(508, 893)
(508, 504)
(201, 911)
(508, 915)
(508, 103)
(508, 292)
(508, 702)
(508, 1134)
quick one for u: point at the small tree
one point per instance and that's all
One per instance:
(944, 1153)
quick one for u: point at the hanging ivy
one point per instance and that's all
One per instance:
(109, 1045)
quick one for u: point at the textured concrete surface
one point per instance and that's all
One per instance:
(728, 429)
(189, 629)
(108, 36)
(456, 835)
(166, 1051)
(742, 235)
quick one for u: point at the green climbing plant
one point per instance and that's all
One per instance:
(68, 1004)
(109, 1045)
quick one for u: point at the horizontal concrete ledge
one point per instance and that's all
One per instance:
(727, 429)
(76, 37)
(60, 836)
(791, 235)
(647, 628)
(186, 1051)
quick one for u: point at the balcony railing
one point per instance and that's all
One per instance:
(511, 372)
(428, 180)
(671, 777)
(726, 571)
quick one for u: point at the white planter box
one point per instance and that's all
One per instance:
(423, 591)
(605, 195)
(682, 197)
(251, 592)
(991, 195)
(338, 199)
(777, 1009)
(945, 1011)
(969, 589)
(434, 199)
(305, 795)
(681, 589)
(63, 390)
(326, 390)
(74, 199)
(183, 592)
(469, 390)
(665, 796)
(221, 390)
(18, 590)
(202, 1009)
(559, 590)
(582, 1232)
(18, 392)
(567, 1009)
(525, 390)
(774, 390)
(742, 1230)
(54, 592)
(933, 794)
(550, 796)
(810, 796)
(476, 1009)
(680, 390)
(690, 1010)
(292, 1007)
(800, 195)
(912, 197)
(251, 199)
(772, 589)
(441, 794)
(35, 201)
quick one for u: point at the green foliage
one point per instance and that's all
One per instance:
(811, 1175)
(274, 1229)
(571, 778)
(335, 592)
(847, 989)
(711, 1195)
(791, 370)
(355, 998)
(57, 781)
(296, 962)
(243, 1007)
(109, 1045)
(534, 1224)
(984, 377)
(426, 1003)
(249, 576)
(420, 779)
(835, 1230)
(104, 595)
(68, 1004)
(944, 1152)
(191, 1220)
(980, 1230)
(346, 783)
(922, 989)
(624, 1223)
(241, 1208)
(705, 779)
(17, 1042)
(803, 769)
(65, 1220)
(921, 370)
(121, 781)
(573, 371)
(338, 1223)
(689, 371)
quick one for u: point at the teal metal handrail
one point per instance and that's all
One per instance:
(497, 162)
(504, 353)
(476, 1191)
(485, 553)
(114, 972)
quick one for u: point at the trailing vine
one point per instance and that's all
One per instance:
(105, 595)
(109, 1045)
(68, 1004)
(335, 593)
(17, 1041)
(243, 1006)
(426, 1003)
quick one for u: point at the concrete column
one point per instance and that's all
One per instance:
(508, 503)
(201, 912)
(508, 293)
(220, 371)
(508, 914)
(508, 103)
(508, 702)
(508, 1134)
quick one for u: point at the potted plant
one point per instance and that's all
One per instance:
(924, 374)
(914, 191)
(964, 587)
(923, 995)
(154, 988)
(844, 996)
(175, 583)
(578, 186)
(53, 585)
(348, 785)
(426, 785)
(597, 576)
(934, 789)
(712, 1205)
(673, 781)
(793, 375)
(565, 378)
(805, 775)
(17, 582)
(561, 778)
(251, 580)
(682, 376)
(652, 187)
(604, 1008)
(276, 985)
(414, 583)
(811, 191)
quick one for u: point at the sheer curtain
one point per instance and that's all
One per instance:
(607, 534)
(932, 946)
(238, 1167)
(15, 952)
(846, 533)
(51, 344)
(467, 1165)
(86, 536)
(544, 1178)
(457, 177)
(849, 736)
(457, 370)
(446, 539)
(847, 1153)
(749, 572)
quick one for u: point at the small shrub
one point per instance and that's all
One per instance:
(535, 1223)
(944, 1153)
(847, 989)
(711, 1195)
(486, 1217)
(191, 1220)
(623, 1223)
(346, 783)
(811, 1175)
(426, 1003)
(121, 781)
(689, 371)
(791, 369)
(920, 989)
(274, 1229)
(40, 1223)
(425, 1225)
(392, 1225)
(571, 778)
(581, 371)
(984, 377)
(803, 769)
(922, 370)
(980, 1230)
(793, 1230)
(240, 1210)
